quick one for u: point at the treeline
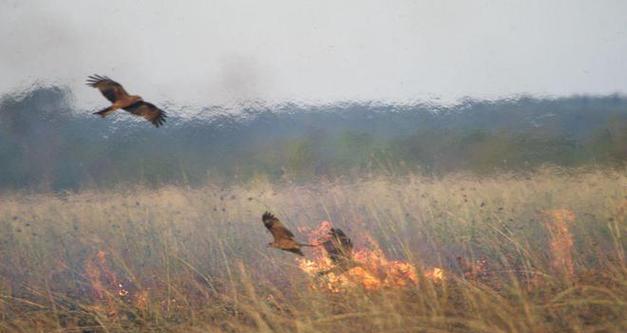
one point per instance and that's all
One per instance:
(45, 144)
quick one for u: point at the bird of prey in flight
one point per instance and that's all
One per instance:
(283, 238)
(340, 250)
(120, 99)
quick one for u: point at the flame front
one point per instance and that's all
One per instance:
(107, 288)
(371, 270)
(561, 242)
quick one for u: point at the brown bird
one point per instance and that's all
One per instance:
(339, 246)
(283, 238)
(120, 99)
(340, 249)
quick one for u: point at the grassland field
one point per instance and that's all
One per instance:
(540, 252)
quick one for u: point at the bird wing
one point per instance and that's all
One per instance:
(339, 246)
(277, 229)
(149, 111)
(110, 89)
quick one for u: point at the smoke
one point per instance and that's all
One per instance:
(199, 52)
(243, 79)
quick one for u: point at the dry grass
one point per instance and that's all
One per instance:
(541, 253)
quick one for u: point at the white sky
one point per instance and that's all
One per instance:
(315, 51)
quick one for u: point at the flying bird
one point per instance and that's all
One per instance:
(340, 250)
(283, 238)
(339, 246)
(120, 99)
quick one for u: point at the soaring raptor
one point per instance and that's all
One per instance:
(120, 99)
(283, 238)
(340, 249)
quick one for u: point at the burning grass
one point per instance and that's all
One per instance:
(369, 269)
(458, 254)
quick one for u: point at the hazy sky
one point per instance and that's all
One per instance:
(216, 52)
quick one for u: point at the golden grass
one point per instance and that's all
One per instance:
(546, 253)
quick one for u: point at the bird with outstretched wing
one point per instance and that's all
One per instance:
(120, 99)
(283, 238)
(340, 250)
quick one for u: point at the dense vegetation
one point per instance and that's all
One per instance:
(544, 253)
(46, 143)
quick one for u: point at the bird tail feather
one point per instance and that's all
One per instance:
(297, 251)
(105, 112)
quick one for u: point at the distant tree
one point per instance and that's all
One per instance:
(33, 123)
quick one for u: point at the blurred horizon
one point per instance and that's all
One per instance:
(297, 91)
(48, 143)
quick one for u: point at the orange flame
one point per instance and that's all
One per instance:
(101, 277)
(107, 287)
(561, 242)
(372, 270)
(103, 281)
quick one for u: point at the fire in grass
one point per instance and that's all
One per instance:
(366, 267)
(108, 290)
